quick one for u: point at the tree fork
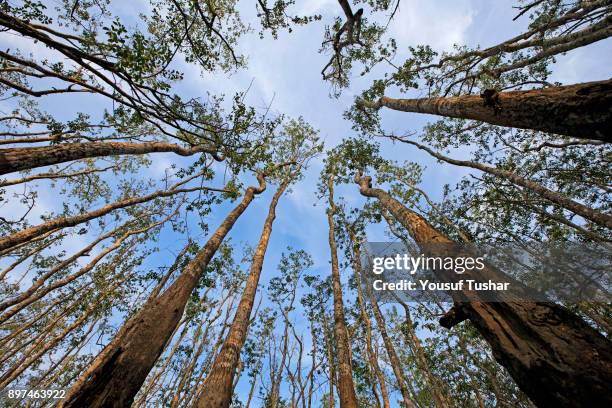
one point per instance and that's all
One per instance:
(581, 110)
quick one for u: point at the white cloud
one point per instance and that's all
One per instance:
(439, 24)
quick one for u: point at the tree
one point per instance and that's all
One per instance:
(124, 180)
(498, 321)
(283, 292)
(346, 389)
(580, 110)
(380, 321)
(121, 368)
(298, 147)
(18, 159)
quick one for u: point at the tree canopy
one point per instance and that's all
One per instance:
(188, 190)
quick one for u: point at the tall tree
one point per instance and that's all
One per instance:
(298, 146)
(17, 159)
(516, 331)
(380, 320)
(346, 388)
(116, 375)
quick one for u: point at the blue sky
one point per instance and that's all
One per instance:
(285, 74)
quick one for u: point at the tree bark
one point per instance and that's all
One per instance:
(582, 110)
(368, 324)
(24, 158)
(331, 400)
(118, 372)
(556, 358)
(217, 389)
(346, 388)
(382, 326)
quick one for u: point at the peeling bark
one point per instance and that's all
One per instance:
(556, 358)
(582, 110)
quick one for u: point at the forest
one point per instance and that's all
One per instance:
(192, 193)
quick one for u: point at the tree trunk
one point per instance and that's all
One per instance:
(118, 372)
(331, 400)
(217, 388)
(277, 379)
(582, 110)
(370, 349)
(24, 158)
(346, 388)
(382, 327)
(582, 210)
(313, 368)
(554, 356)
(437, 389)
(198, 349)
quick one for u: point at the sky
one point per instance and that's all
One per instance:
(285, 75)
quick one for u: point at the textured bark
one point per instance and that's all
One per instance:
(346, 388)
(217, 389)
(24, 158)
(554, 356)
(582, 210)
(152, 383)
(438, 390)
(118, 372)
(582, 110)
